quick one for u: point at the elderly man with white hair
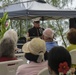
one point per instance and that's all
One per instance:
(48, 36)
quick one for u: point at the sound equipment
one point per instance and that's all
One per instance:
(72, 23)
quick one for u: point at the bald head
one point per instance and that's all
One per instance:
(48, 32)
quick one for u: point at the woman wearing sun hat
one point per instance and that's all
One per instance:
(35, 52)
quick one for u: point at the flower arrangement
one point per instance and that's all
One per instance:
(4, 25)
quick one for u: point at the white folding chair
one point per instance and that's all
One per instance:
(44, 72)
(73, 55)
(21, 56)
(10, 67)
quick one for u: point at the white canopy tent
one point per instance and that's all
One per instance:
(32, 8)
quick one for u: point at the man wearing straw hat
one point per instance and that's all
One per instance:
(36, 30)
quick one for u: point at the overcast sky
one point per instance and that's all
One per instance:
(73, 4)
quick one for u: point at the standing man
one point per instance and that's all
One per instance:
(36, 30)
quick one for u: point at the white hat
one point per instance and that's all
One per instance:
(36, 46)
(48, 32)
(36, 19)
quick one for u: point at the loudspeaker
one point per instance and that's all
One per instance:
(72, 23)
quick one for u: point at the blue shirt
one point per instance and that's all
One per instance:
(50, 45)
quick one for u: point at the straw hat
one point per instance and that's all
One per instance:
(35, 46)
(48, 32)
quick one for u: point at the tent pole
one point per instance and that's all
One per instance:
(27, 18)
(20, 27)
(26, 24)
(11, 24)
(42, 21)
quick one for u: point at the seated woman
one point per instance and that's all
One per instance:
(71, 36)
(7, 50)
(11, 33)
(35, 52)
(59, 62)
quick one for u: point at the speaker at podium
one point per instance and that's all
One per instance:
(72, 23)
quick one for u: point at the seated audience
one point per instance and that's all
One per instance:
(20, 42)
(7, 50)
(11, 33)
(71, 36)
(48, 36)
(59, 62)
(35, 52)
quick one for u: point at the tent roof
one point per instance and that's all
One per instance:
(32, 9)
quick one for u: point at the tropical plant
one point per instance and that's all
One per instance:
(4, 24)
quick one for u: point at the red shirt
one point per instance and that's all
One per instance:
(7, 59)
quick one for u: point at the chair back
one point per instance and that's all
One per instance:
(44, 72)
(73, 55)
(10, 67)
(21, 56)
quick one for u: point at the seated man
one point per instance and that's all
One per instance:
(48, 36)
